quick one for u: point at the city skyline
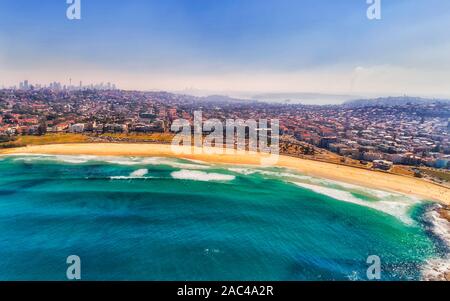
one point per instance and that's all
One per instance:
(232, 47)
(56, 85)
(282, 98)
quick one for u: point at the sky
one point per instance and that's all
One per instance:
(231, 46)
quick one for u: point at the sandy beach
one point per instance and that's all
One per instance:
(372, 179)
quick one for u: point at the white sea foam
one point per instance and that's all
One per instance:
(59, 158)
(440, 226)
(364, 190)
(174, 163)
(138, 174)
(398, 208)
(243, 171)
(284, 175)
(330, 183)
(74, 161)
(119, 161)
(196, 175)
(197, 161)
(436, 268)
(151, 161)
(116, 160)
(391, 203)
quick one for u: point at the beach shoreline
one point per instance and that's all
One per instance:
(438, 215)
(367, 178)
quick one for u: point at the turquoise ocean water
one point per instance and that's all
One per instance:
(169, 219)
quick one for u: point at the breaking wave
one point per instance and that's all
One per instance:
(138, 174)
(291, 177)
(196, 175)
(398, 208)
(190, 164)
(438, 269)
(56, 158)
(243, 171)
(116, 160)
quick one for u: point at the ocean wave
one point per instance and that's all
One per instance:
(119, 161)
(116, 160)
(268, 173)
(130, 161)
(394, 204)
(290, 176)
(438, 269)
(138, 174)
(243, 171)
(56, 158)
(129, 178)
(196, 175)
(398, 208)
(439, 225)
(284, 175)
(174, 163)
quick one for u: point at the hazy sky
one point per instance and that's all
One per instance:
(323, 46)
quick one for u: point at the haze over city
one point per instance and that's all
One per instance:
(230, 47)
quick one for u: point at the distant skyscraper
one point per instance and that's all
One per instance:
(24, 85)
